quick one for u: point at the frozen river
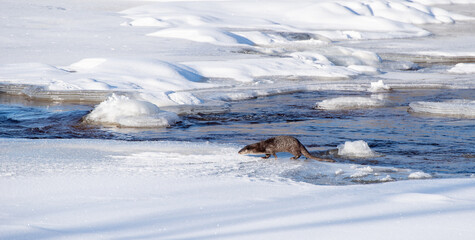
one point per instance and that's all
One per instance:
(122, 119)
(439, 145)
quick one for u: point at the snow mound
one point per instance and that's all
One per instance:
(205, 35)
(453, 108)
(123, 72)
(122, 111)
(419, 175)
(379, 86)
(358, 149)
(463, 68)
(345, 103)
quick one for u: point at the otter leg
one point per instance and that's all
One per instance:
(274, 155)
(297, 156)
(266, 157)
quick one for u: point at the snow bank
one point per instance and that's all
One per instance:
(453, 108)
(463, 68)
(359, 149)
(93, 189)
(122, 111)
(247, 70)
(208, 21)
(435, 2)
(159, 82)
(345, 103)
(206, 35)
(137, 73)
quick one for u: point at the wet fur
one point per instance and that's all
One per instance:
(277, 144)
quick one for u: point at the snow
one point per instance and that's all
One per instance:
(463, 68)
(419, 175)
(358, 149)
(247, 70)
(163, 51)
(379, 86)
(452, 108)
(99, 189)
(133, 59)
(122, 111)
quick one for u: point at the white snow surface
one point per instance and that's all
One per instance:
(95, 189)
(154, 54)
(463, 68)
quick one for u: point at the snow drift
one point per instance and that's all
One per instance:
(359, 149)
(122, 111)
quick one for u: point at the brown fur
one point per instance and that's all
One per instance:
(277, 144)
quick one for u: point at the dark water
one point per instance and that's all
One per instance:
(441, 146)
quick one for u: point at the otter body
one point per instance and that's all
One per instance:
(277, 144)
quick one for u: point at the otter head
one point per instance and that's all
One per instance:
(250, 149)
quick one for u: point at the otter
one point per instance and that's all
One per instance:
(277, 144)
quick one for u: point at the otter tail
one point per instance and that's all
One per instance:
(308, 155)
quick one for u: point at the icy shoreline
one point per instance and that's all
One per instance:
(236, 45)
(145, 192)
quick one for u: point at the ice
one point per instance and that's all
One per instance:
(379, 86)
(359, 149)
(122, 111)
(462, 108)
(419, 175)
(346, 103)
(463, 68)
(189, 56)
(92, 189)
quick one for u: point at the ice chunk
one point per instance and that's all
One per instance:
(463, 68)
(343, 103)
(388, 178)
(419, 175)
(453, 108)
(339, 171)
(122, 111)
(379, 86)
(362, 172)
(358, 149)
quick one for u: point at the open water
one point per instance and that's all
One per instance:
(440, 146)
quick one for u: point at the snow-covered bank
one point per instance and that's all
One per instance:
(165, 51)
(95, 189)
